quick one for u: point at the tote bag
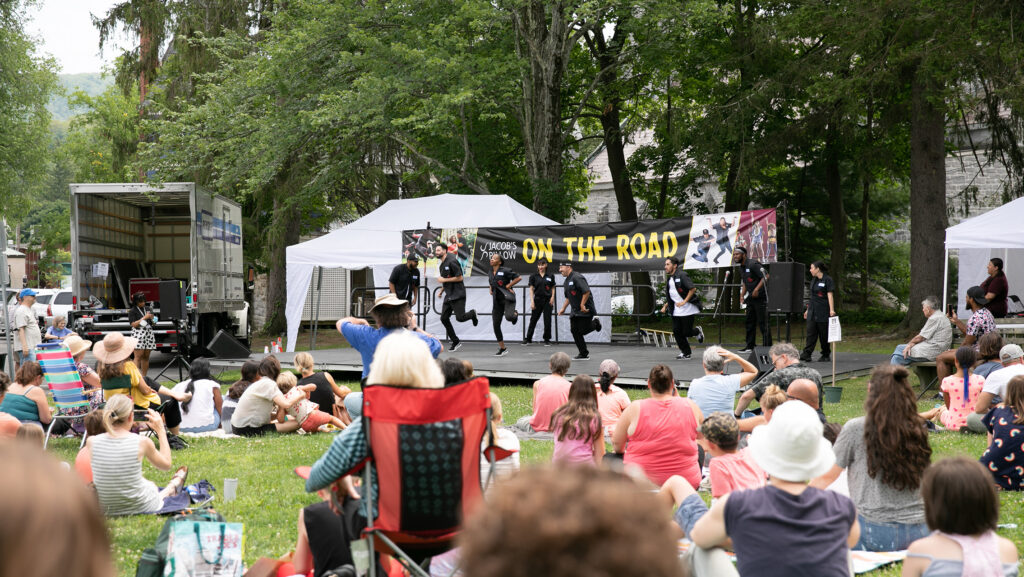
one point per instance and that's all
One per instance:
(204, 549)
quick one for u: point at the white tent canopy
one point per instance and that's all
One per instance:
(993, 234)
(375, 241)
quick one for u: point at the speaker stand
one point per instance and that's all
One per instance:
(179, 358)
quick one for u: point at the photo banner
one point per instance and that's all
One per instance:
(702, 242)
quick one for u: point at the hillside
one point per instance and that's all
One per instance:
(92, 83)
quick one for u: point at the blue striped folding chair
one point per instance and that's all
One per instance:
(65, 384)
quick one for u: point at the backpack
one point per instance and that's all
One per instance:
(151, 563)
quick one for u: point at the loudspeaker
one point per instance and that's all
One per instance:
(786, 287)
(226, 346)
(761, 359)
(172, 300)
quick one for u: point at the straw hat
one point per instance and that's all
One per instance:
(114, 348)
(791, 446)
(77, 344)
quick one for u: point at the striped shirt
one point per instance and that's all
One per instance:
(117, 475)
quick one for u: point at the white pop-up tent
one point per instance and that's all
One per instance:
(376, 241)
(997, 233)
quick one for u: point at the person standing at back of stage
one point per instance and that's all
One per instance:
(582, 320)
(542, 301)
(450, 277)
(503, 304)
(820, 308)
(685, 303)
(405, 279)
(722, 236)
(753, 292)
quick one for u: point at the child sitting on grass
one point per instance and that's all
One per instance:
(579, 438)
(306, 412)
(1004, 457)
(959, 392)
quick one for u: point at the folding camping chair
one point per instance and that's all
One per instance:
(425, 450)
(65, 385)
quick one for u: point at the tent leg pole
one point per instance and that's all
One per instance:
(945, 280)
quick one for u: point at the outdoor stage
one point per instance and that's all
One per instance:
(524, 364)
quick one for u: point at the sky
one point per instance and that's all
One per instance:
(66, 31)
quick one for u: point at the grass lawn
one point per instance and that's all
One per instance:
(270, 495)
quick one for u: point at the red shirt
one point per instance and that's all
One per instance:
(998, 286)
(665, 440)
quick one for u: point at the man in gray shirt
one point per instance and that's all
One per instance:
(27, 326)
(935, 337)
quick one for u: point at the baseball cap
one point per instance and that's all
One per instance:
(720, 428)
(978, 294)
(1010, 352)
(413, 258)
(565, 263)
(27, 293)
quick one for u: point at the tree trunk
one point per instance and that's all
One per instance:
(837, 212)
(927, 196)
(864, 214)
(284, 231)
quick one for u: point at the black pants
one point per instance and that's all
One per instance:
(816, 330)
(171, 409)
(757, 315)
(502, 307)
(581, 326)
(682, 327)
(724, 247)
(540, 309)
(458, 307)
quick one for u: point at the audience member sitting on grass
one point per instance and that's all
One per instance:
(980, 323)
(505, 439)
(59, 330)
(784, 528)
(317, 548)
(716, 391)
(93, 427)
(256, 409)
(730, 468)
(8, 426)
(31, 435)
(249, 375)
(90, 379)
(959, 393)
(659, 435)
(201, 413)
(786, 362)
(50, 524)
(306, 412)
(326, 389)
(1005, 424)
(771, 399)
(1011, 356)
(962, 508)
(579, 438)
(455, 370)
(26, 400)
(611, 400)
(989, 346)
(935, 337)
(120, 376)
(549, 393)
(885, 452)
(557, 522)
(401, 359)
(116, 460)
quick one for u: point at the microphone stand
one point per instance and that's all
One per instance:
(721, 290)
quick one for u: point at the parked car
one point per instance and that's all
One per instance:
(59, 306)
(42, 304)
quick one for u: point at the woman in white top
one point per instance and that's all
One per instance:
(116, 458)
(260, 403)
(201, 413)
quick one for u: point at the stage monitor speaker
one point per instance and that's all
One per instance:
(172, 300)
(786, 287)
(761, 359)
(225, 346)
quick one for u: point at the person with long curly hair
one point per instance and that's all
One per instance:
(885, 453)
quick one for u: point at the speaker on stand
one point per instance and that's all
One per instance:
(174, 308)
(786, 290)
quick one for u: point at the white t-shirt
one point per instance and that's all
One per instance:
(256, 405)
(24, 317)
(997, 380)
(684, 311)
(504, 468)
(201, 410)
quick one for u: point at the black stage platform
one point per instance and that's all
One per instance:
(525, 364)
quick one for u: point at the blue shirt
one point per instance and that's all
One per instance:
(59, 333)
(715, 393)
(365, 339)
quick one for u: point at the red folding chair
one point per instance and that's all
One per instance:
(425, 445)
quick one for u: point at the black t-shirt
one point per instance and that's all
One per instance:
(818, 306)
(449, 268)
(406, 281)
(542, 287)
(683, 285)
(136, 313)
(751, 273)
(323, 395)
(722, 232)
(575, 287)
(500, 279)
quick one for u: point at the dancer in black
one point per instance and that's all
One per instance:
(753, 292)
(502, 279)
(821, 306)
(684, 301)
(582, 320)
(703, 241)
(722, 236)
(405, 279)
(454, 294)
(542, 301)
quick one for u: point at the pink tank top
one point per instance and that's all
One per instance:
(665, 440)
(552, 392)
